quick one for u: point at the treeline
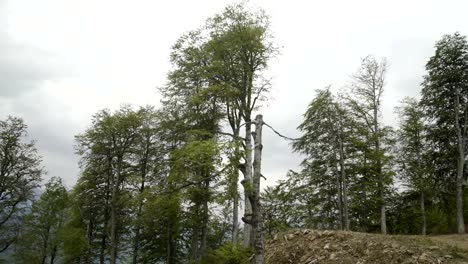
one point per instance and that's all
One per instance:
(161, 185)
(360, 174)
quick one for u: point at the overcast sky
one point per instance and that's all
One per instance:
(61, 61)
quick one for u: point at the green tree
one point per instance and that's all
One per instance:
(41, 234)
(106, 150)
(324, 143)
(367, 89)
(445, 103)
(20, 175)
(411, 146)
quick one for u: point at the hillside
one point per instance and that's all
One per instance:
(312, 246)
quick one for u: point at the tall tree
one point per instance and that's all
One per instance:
(20, 175)
(411, 145)
(445, 102)
(241, 46)
(108, 142)
(42, 230)
(324, 143)
(367, 90)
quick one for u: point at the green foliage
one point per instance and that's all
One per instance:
(41, 238)
(227, 254)
(20, 175)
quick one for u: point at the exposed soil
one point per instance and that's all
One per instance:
(313, 246)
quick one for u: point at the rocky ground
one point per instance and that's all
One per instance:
(313, 246)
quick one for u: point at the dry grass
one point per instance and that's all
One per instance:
(312, 246)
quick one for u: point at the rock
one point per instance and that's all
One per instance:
(332, 256)
(290, 236)
(327, 246)
(424, 257)
(448, 257)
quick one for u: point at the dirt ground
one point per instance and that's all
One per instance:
(460, 241)
(313, 246)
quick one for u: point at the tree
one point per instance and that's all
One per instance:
(367, 90)
(445, 103)
(411, 145)
(42, 230)
(324, 143)
(107, 147)
(241, 47)
(20, 175)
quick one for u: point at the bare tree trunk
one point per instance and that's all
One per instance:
(204, 228)
(340, 198)
(248, 180)
(423, 214)
(460, 166)
(383, 219)
(257, 217)
(144, 168)
(235, 199)
(235, 216)
(344, 185)
(114, 215)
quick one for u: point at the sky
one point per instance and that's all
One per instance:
(61, 61)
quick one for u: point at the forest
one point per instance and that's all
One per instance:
(182, 183)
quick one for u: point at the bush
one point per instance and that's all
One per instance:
(227, 254)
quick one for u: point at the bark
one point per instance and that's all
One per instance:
(248, 180)
(460, 165)
(205, 212)
(383, 219)
(344, 184)
(257, 217)
(235, 199)
(423, 214)
(114, 214)
(144, 168)
(171, 252)
(53, 255)
(102, 256)
(340, 197)
(235, 217)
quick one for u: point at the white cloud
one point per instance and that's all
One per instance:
(71, 58)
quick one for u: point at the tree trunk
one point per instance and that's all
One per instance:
(423, 214)
(205, 212)
(340, 197)
(114, 215)
(257, 217)
(248, 181)
(235, 199)
(235, 217)
(460, 165)
(344, 185)
(383, 218)
(144, 165)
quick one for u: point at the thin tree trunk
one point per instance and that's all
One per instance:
(136, 242)
(344, 185)
(257, 217)
(383, 220)
(53, 255)
(204, 229)
(460, 166)
(340, 198)
(235, 199)
(423, 214)
(235, 217)
(114, 217)
(248, 180)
